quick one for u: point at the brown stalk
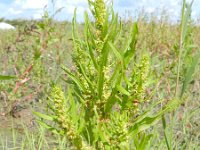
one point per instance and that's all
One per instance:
(23, 78)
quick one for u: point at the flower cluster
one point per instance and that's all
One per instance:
(118, 130)
(100, 13)
(139, 80)
(62, 118)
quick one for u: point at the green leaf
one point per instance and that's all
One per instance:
(114, 28)
(6, 77)
(43, 116)
(80, 98)
(144, 124)
(189, 73)
(48, 127)
(86, 78)
(103, 62)
(106, 25)
(41, 25)
(165, 133)
(129, 53)
(146, 120)
(110, 102)
(72, 106)
(144, 142)
(122, 90)
(89, 38)
(75, 79)
(75, 36)
(116, 52)
(116, 76)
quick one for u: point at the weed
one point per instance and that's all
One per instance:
(106, 98)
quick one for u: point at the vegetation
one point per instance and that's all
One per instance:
(104, 87)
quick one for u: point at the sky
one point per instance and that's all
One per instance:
(33, 9)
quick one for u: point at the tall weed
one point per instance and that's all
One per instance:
(106, 105)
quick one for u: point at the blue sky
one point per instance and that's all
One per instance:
(33, 9)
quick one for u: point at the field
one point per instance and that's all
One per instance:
(62, 87)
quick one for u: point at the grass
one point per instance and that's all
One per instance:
(172, 75)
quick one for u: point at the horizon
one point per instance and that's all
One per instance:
(29, 10)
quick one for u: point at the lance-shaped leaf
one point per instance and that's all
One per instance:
(122, 90)
(6, 77)
(91, 86)
(43, 116)
(130, 50)
(116, 52)
(103, 62)
(89, 39)
(189, 73)
(48, 127)
(74, 78)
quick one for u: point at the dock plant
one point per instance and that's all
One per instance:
(106, 105)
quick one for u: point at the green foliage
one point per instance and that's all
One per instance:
(186, 60)
(187, 63)
(44, 36)
(104, 108)
(119, 88)
(6, 77)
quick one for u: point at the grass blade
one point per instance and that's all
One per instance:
(6, 77)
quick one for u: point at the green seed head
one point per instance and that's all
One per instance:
(100, 13)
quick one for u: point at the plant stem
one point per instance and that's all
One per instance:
(181, 42)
